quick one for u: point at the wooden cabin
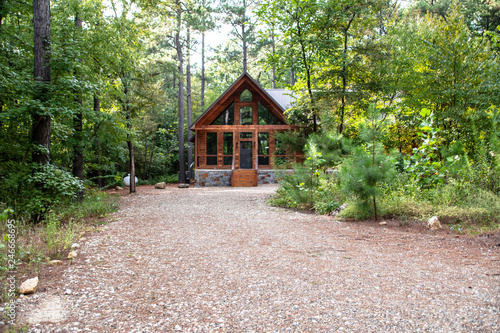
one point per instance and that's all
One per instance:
(234, 138)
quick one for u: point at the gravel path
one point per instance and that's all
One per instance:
(221, 260)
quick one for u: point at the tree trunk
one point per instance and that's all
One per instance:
(202, 95)
(41, 126)
(78, 126)
(188, 102)
(2, 8)
(244, 37)
(344, 75)
(274, 66)
(245, 68)
(130, 144)
(180, 97)
(97, 108)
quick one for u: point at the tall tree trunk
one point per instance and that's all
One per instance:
(274, 66)
(41, 126)
(180, 97)
(97, 109)
(344, 75)
(78, 125)
(188, 102)
(244, 36)
(130, 144)
(245, 66)
(308, 77)
(2, 8)
(202, 95)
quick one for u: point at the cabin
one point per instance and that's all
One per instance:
(234, 138)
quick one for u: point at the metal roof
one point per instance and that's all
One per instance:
(283, 97)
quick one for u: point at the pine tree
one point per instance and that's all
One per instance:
(368, 168)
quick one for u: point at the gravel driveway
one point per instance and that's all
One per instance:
(221, 260)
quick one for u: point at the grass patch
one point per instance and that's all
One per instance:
(51, 239)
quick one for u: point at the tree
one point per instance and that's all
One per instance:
(40, 136)
(362, 175)
(78, 124)
(180, 97)
(238, 16)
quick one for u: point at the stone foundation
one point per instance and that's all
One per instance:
(210, 177)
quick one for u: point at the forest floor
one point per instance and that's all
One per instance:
(222, 260)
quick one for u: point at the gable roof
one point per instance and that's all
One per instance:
(243, 80)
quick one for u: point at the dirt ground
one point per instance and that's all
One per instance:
(222, 260)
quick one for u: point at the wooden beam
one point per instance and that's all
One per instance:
(230, 128)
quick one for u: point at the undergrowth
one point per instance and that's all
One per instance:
(37, 243)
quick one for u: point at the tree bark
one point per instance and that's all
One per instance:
(188, 102)
(344, 75)
(40, 137)
(78, 126)
(97, 108)
(245, 65)
(130, 144)
(180, 97)
(274, 66)
(202, 95)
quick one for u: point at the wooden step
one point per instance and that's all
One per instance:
(244, 178)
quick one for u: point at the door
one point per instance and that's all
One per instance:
(246, 156)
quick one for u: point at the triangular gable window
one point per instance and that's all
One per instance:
(246, 96)
(226, 117)
(266, 117)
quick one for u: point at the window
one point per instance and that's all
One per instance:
(211, 148)
(228, 149)
(245, 135)
(266, 117)
(246, 115)
(280, 156)
(263, 148)
(226, 117)
(246, 96)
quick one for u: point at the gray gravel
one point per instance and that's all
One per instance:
(221, 260)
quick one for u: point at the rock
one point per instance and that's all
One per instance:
(161, 185)
(434, 223)
(67, 292)
(118, 188)
(83, 238)
(28, 286)
(383, 223)
(55, 262)
(72, 255)
(183, 185)
(75, 245)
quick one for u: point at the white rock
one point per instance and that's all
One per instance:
(75, 245)
(55, 262)
(29, 286)
(434, 223)
(383, 223)
(72, 255)
(67, 292)
(183, 186)
(161, 185)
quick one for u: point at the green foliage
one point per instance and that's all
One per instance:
(363, 174)
(49, 187)
(312, 185)
(426, 163)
